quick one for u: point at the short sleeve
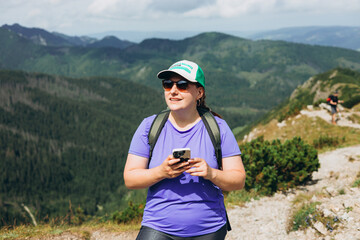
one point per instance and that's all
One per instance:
(139, 144)
(229, 145)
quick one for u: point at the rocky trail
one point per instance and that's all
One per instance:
(324, 113)
(268, 217)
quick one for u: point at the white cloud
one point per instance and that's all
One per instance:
(34, 12)
(54, 1)
(100, 6)
(233, 8)
(118, 9)
(103, 15)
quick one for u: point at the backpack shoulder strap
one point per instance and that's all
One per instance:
(156, 128)
(213, 130)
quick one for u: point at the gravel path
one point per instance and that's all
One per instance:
(267, 218)
(324, 113)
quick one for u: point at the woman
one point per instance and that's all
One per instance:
(185, 199)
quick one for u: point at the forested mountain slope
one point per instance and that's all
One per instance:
(241, 74)
(65, 140)
(336, 36)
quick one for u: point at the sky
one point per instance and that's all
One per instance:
(84, 17)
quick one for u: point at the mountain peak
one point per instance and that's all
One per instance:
(111, 41)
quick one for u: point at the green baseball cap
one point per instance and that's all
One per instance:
(187, 69)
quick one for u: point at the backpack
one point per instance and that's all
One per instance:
(328, 99)
(211, 126)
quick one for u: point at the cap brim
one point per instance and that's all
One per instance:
(165, 74)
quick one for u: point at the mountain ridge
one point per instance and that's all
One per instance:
(42, 37)
(242, 76)
(335, 36)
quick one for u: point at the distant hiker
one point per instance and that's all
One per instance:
(333, 101)
(185, 198)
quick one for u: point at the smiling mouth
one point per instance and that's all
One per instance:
(175, 99)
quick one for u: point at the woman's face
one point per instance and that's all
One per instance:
(177, 99)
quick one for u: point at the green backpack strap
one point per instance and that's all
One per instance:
(155, 129)
(213, 130)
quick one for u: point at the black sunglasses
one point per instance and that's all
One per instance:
(181, 85)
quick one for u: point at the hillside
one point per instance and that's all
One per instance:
(64, 141)
(42, 37)
(243, 76)
(305, 113)
(345, 37)
(37, 35)
(110, 42)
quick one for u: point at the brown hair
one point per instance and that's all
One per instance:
(202, 104)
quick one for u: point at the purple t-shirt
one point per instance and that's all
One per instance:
(186, 205)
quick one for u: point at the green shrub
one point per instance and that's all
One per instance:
(273, 166)
(356, 183)
(307, 215)
(351, 102)
(302, 217)
(132, 213)
(293, 109)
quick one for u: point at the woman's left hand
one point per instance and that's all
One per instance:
(200, 168)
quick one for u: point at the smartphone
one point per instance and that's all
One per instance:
(183, 153)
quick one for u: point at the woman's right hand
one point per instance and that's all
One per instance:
(172, 167)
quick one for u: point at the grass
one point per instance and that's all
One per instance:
(356, 108)
(240, 197)
(357, 181)
(84, 231)
(237, 130)
(355, 118)
(44, 230)
(306, 213)
(341, 191)
(301, 198)
(310, 130)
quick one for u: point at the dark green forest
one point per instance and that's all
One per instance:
(66, 139)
